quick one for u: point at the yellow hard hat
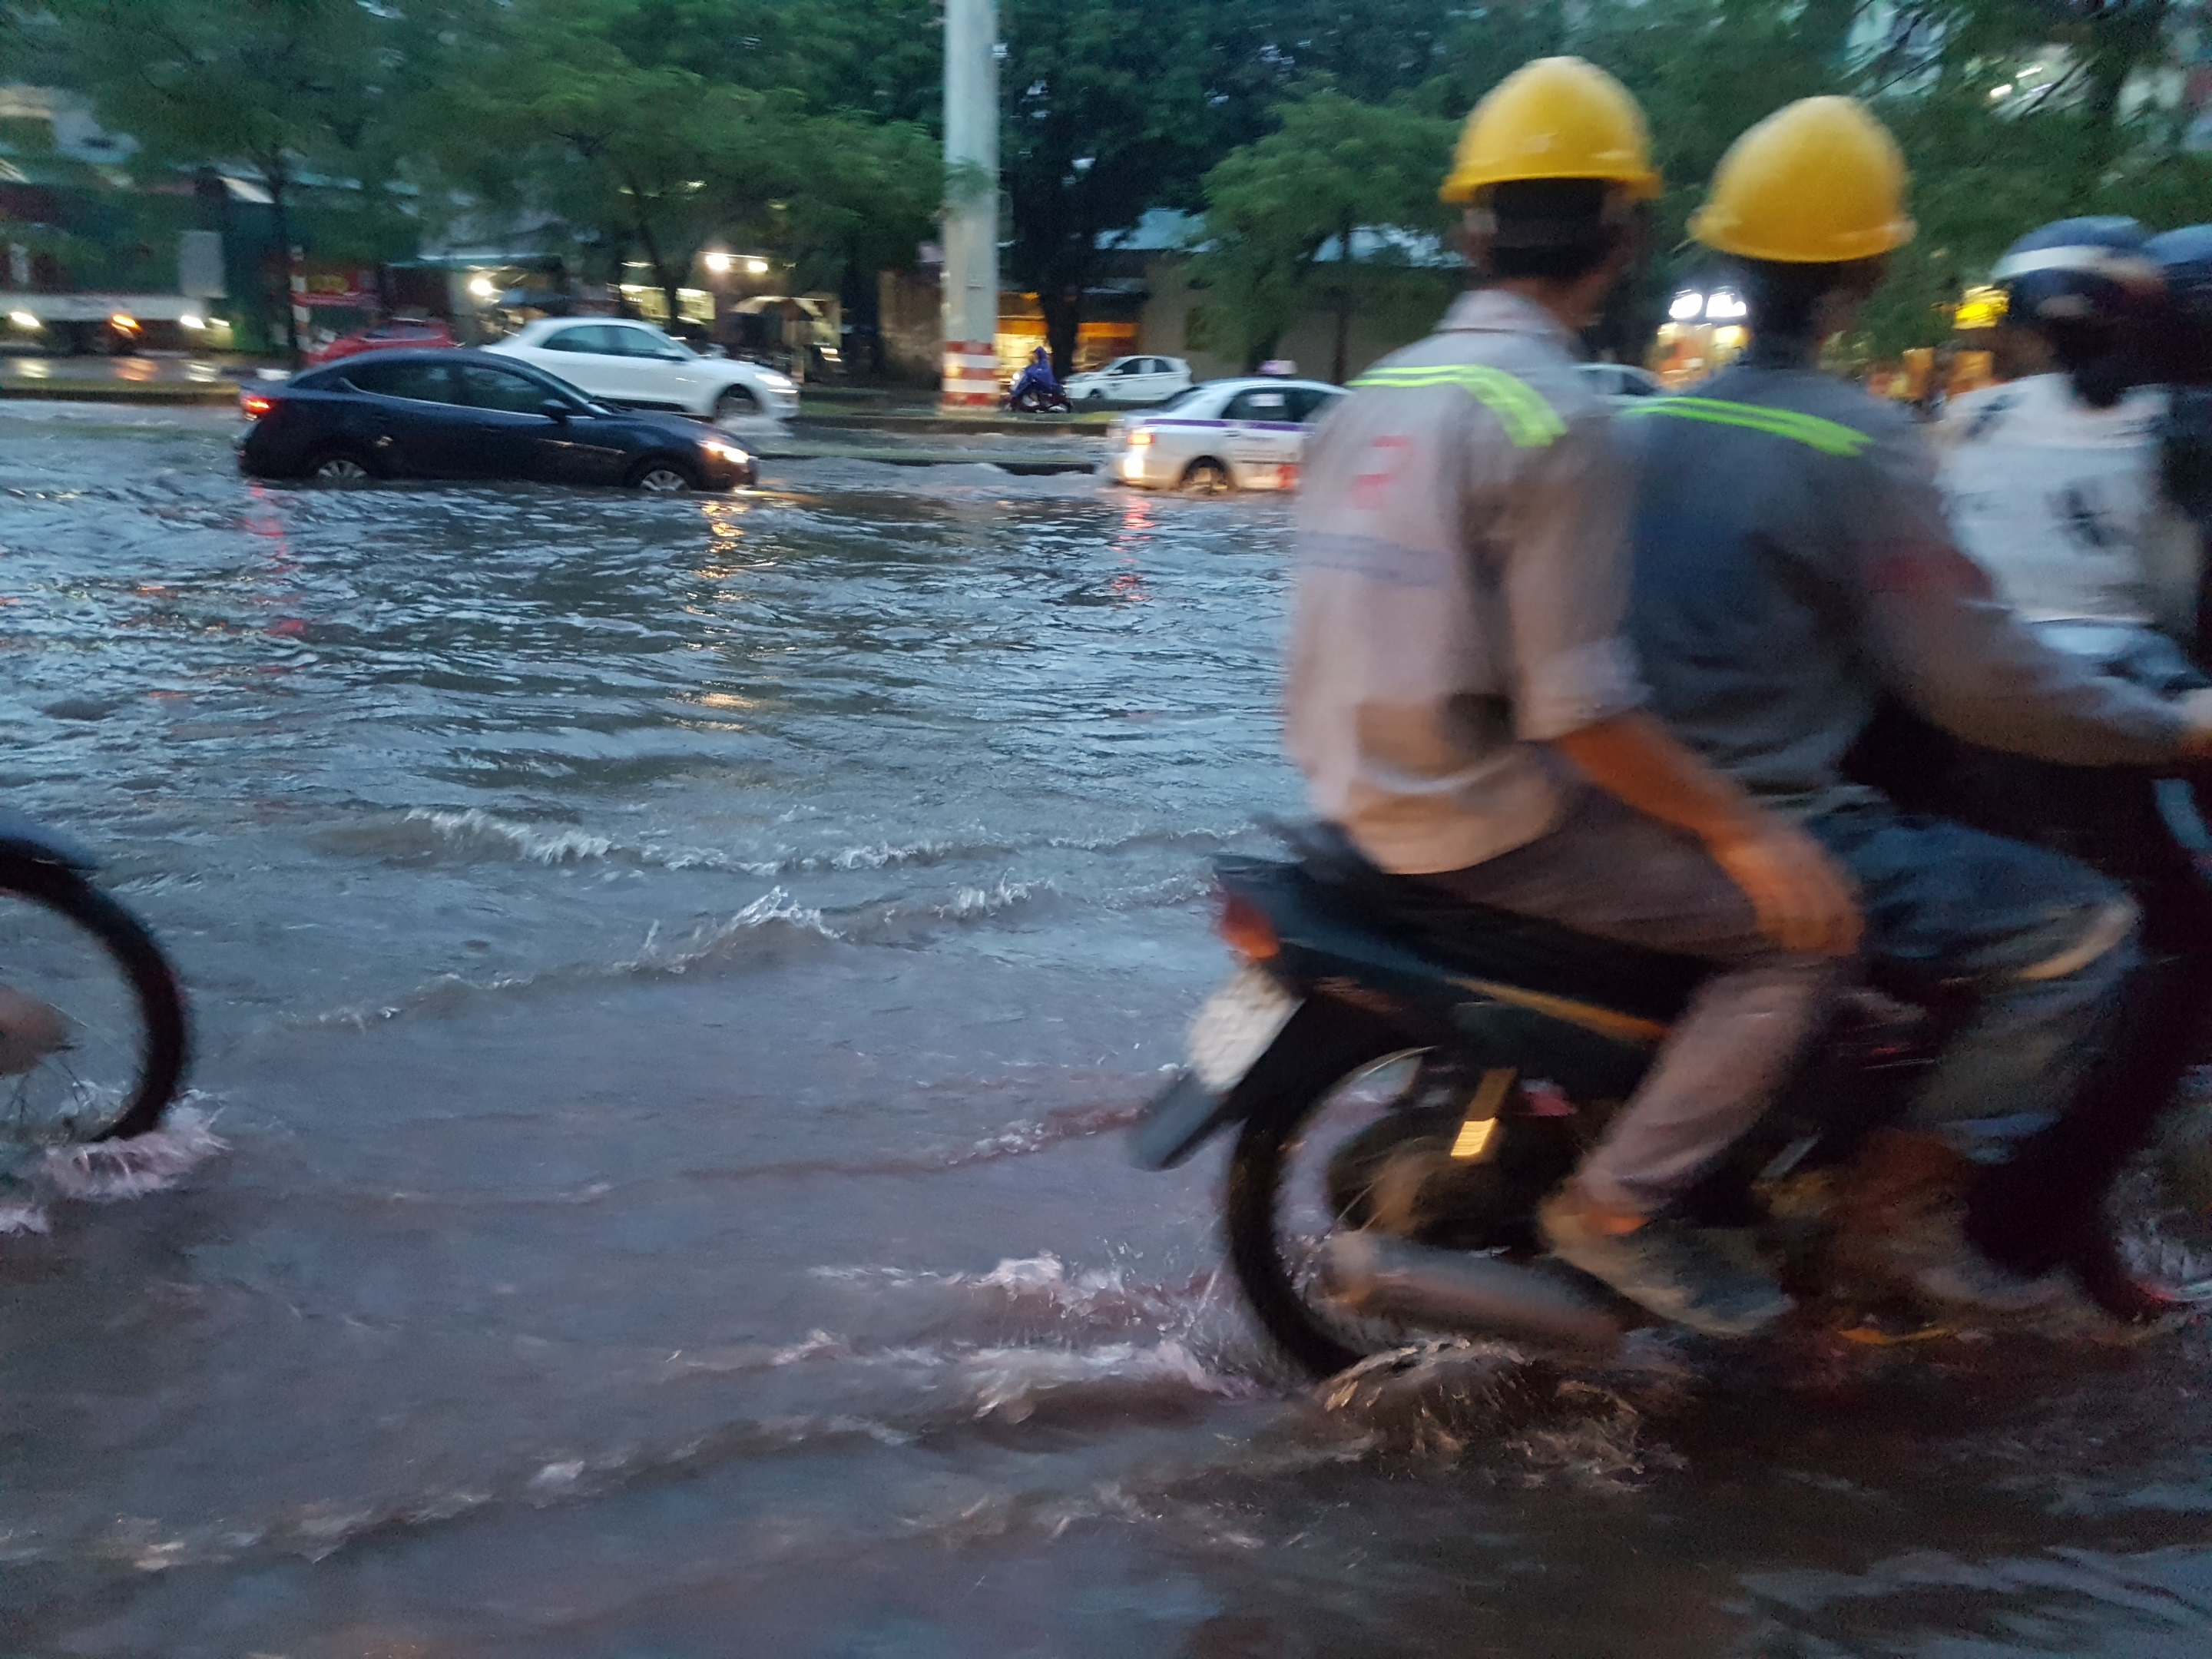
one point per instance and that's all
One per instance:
(1557, 117)
(1817, 182)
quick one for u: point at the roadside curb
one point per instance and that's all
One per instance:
(1032, 465)
(118, 392)
(935, 425)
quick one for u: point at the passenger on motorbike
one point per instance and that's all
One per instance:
(2181, 352)
(1793, 567)
(2053, 483)
(1465, 708)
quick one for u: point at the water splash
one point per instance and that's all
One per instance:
(106, 1171)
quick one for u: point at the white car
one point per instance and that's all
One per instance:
(1131, 380)
(635, 365)
(1619, 383)
(1226, 434)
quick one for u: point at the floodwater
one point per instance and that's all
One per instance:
(669, 975)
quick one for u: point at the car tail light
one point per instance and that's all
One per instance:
(1244, 928)
(255, 404)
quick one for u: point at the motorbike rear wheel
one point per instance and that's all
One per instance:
(1277, 1216)
(69, 946)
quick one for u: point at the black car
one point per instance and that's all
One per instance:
(468, 415)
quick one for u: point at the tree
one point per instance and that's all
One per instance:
(623, 118)
(279, 89)
(1110, 107)
(1333, 169)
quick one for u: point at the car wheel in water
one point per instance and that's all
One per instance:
(737, 402)
(661, 478)
(340, 470)
(1207, 478)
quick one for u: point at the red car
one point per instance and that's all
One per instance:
(413, 335)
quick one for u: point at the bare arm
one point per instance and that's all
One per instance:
(1803, 898)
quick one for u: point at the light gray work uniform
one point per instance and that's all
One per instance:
(1794, 565)
(1462, 573)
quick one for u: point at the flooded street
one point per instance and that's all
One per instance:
(670, 973)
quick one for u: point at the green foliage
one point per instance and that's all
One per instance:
(639, 122)
(651, 128)
(281, 89)
(1332, 167)
(1110, 107)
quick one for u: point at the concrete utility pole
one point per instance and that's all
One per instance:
(971, 207)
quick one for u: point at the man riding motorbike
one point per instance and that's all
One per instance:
(1038, 388)
(1793, 567)
(1465, 710)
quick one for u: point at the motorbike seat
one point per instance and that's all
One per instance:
(1461, 937)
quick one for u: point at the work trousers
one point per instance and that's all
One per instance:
(1609, 871)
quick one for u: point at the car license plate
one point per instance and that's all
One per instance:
(1237, 1026)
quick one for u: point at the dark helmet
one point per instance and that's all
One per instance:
(2079, 270)
(2184, 258)
(2088, 287)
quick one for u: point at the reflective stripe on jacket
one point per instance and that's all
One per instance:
(1793, 562)
(1461, 576)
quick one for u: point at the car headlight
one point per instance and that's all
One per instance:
(776, 382)
(722, 452)
(1141, 438)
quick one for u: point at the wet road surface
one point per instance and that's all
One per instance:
(668, 975)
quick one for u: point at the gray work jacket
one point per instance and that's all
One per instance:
(1461, 575)
(1793, 562)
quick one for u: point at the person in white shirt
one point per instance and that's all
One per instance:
(2051, 479)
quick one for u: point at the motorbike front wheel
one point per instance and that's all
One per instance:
(1375, 1148)
(91, 1025)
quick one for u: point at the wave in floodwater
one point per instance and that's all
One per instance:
(766, 931)
(475, 832)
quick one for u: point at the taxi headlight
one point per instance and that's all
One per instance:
(1140, 438)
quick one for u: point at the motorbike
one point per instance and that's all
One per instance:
(1405, 1086)
(1034, 391)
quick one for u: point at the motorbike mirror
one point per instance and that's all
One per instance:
(557, 408)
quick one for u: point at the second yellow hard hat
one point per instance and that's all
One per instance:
(1817, 182)
(1557, 117)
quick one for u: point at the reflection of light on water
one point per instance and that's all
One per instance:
(1139, 517)
(721, 515)
(135, 369)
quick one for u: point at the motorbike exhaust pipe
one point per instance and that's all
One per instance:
(1473, 1295)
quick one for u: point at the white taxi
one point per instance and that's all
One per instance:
(1226, 434)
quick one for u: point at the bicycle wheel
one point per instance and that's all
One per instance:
(109, 1068)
